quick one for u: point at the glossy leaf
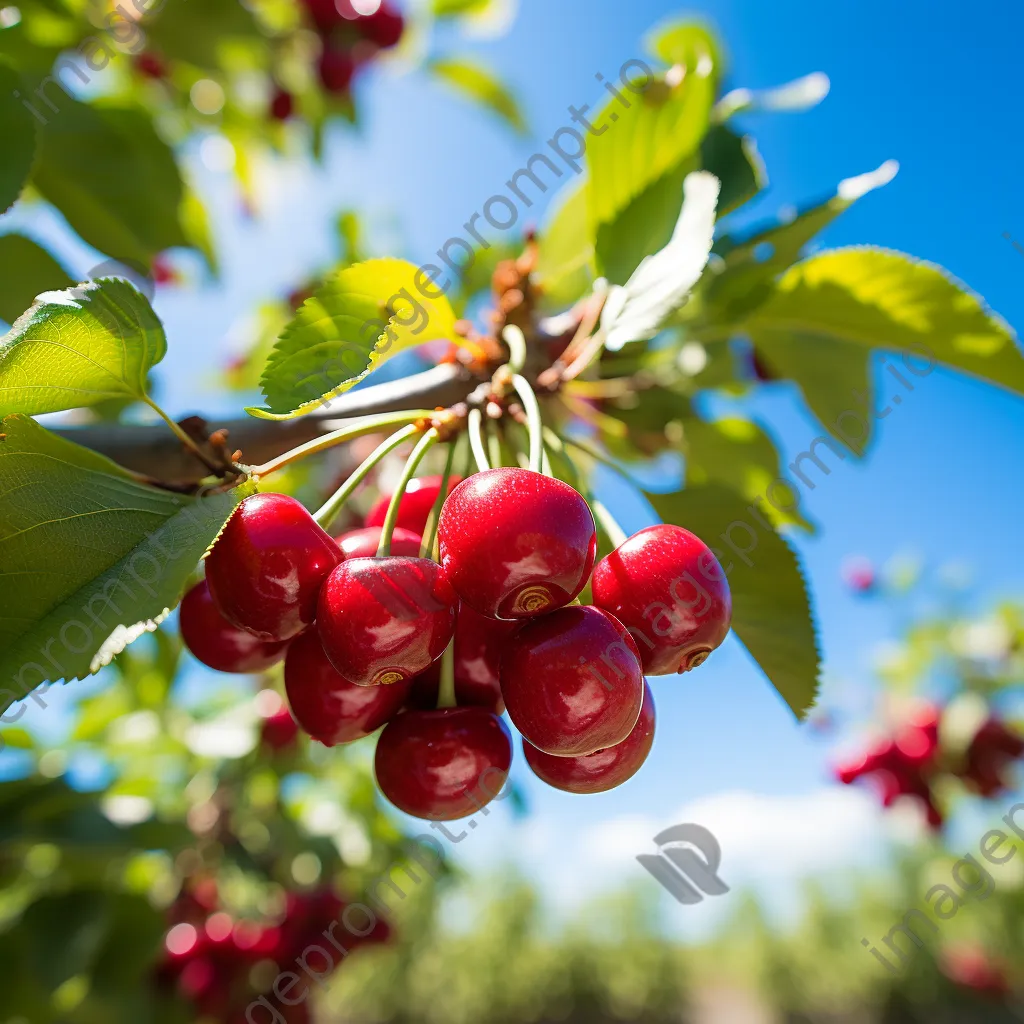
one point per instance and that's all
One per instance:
(18, 131)
(79, 347)
(357, 318)
(477, 82)
(771, 609)
(26, 270)
(90, 557)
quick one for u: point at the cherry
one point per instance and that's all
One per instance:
(572, 681)
(383, 620)
(668, 589)
(989, 756)
(604, 769)
(282, 104)
(218, 644)
(414, 508)
(443, 764)
(323, 13)
(279, 731)
(516, 543)
(336, 69)
(267, 567)
(151, 64)
(384, 27)
(363, 543)
(330, 708)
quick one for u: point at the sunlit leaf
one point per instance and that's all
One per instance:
(479, 83)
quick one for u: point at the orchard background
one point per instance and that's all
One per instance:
(169, 843)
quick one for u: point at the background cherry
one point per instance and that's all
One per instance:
(443, 764)
(267, 567)
(218, 644)
(363, 543)
(604, 769)
(414, 508)
(329, 707)
(515, 543)
(666, 586)
(383, 620)
(572, 681)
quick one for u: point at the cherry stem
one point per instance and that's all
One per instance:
(423, 445)
(326, 515)
(493, 444)
(430, 533)
(187, 441)
(446, 690)
(616, 534)
(533, 417)
(474, 424)
(369, 425)
(515, 339)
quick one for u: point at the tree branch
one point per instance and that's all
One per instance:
(152, 448)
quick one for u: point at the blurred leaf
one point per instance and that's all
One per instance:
(478, 273)
(454, 8)
(131, 946)
(673, 42)
(26, 270)
(63, 934)
(91, 558)
(80, 346)
(17, 738)
(18, 130)
(737, 164)
(480, 84)
(771, 611)
(358, 318)
(114, 179)
(197, 33)
(566, 249)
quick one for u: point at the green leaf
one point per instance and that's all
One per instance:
(79, 347)
(199, 33)
(771, 612)
(672, 41)
(90, 557)
(357, 318)
(846, 303)
(26, 270)
(113, 178)
(18, 131)
(661, 128)
(479, 83)
(739, 455)
(737, 164)
(566, 250)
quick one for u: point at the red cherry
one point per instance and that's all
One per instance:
(382, 620)
(330, 708)
(443, 764)
(384, 27)
(363, 543)
(336, 69)
(218, 644)
(282, 105)
(572, 681)
(516, 543)
(604, 769)
(414, 508)
(667, 588)
(323, 13)
(163, 271)
(267, 567)
(280, 730)
(151, 64)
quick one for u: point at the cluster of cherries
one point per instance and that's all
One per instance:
(215, 962)
(362, 636)
(908, 763)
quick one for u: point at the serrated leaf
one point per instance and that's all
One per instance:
(79, 347)
(26, 270)
(480, 84)
(850, 302)
(357, 318)
(771, 612)
(565, 253)
(114, 179)
(18, 131)
(89, 557)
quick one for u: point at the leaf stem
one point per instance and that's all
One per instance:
(474, 425)
(370, 425)
(616, 534)
(446, 690)
(533, 416)
(423, 445)
(180, 434)
(326, 515)
(427, 547)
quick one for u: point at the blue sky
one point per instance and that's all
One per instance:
(925, 83)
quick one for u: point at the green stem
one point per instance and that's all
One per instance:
(474, 424)
(180, 434)
(533, 417)
(554, 443)
(616, 534)
(446, 690)
(515, 339)
(493, 444)
(369, 425)
(423, 445)
(326, 515)
(427, 547)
